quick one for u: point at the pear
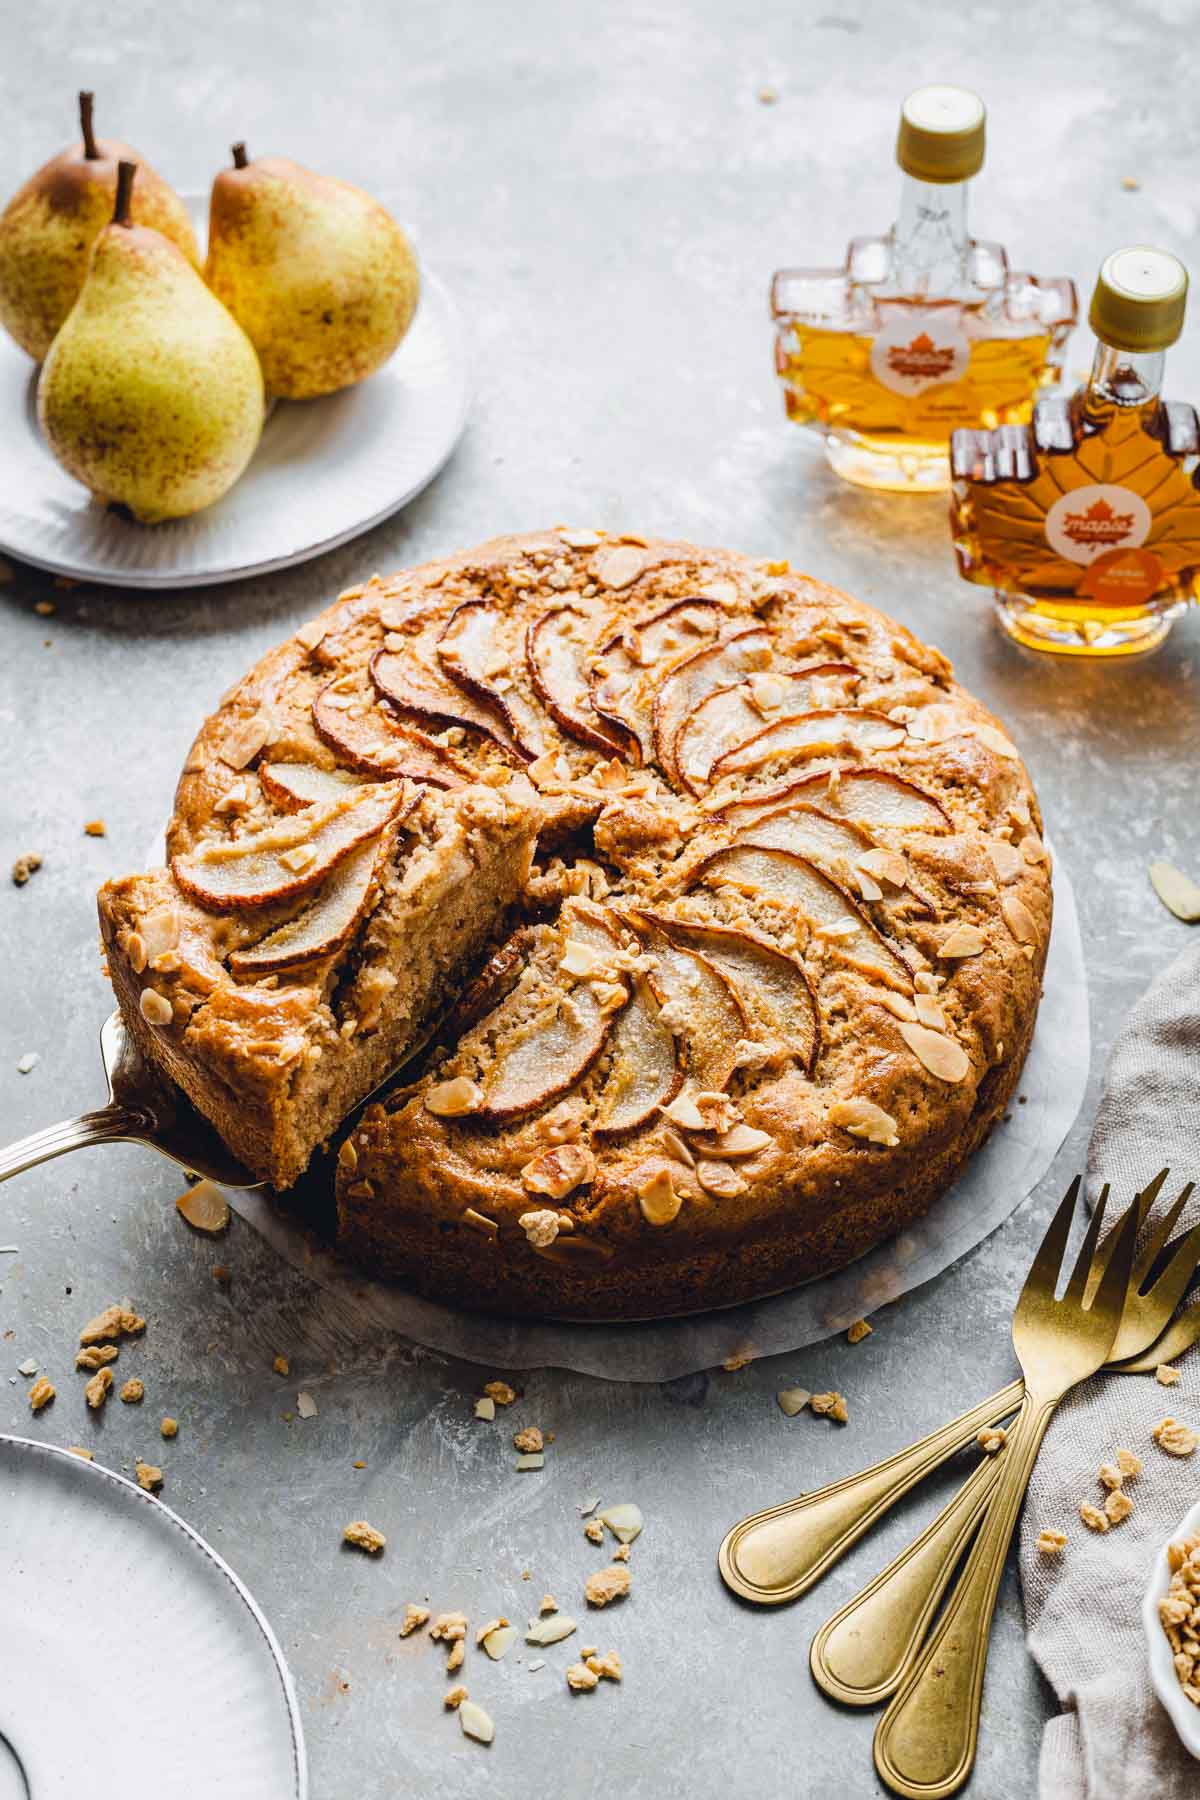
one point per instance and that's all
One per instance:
(47, 231)
(320, 276)
(151, 394)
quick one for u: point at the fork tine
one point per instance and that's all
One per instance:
(1176, 1276)
(1110, 1296)
(1043, 1271)
(1087, 1251)
(1159, 1238)
(1153, 1189)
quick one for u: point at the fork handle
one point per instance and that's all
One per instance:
(779, 1554)
(862, 1654)
(108, 1125)
(925, 1742)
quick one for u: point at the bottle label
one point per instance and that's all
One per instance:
(921, 349)
(1087, 522)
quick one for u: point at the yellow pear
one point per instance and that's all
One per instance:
(318, 274)
(151, 394)
(47, 231)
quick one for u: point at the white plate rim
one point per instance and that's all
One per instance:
(166, 580)
(1182, 1713)
(193, 1538)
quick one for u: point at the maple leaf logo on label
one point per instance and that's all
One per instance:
(1086, 522)
(921, 358)
(920, 349)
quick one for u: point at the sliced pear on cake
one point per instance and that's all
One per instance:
(820, 733)
(872, 796)
(791, 880)
(691, 681)
(771, 985)
(644, 1071)
(295, 785)
(540, 1047)
(733, 714)
(372, 740)
(293, 856)
(416, 689)
(322, 928)
(472, 652)
(832, 843)
(619, 677)
(702, 999)
(556, 647)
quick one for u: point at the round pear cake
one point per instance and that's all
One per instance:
(705, 911)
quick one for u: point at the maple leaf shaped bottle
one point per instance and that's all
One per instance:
(923, 330)
(1086, 522)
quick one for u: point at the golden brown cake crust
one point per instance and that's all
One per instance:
(766, 788)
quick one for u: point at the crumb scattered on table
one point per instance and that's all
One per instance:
(606, 1585)
(1174, 1437)
(992, 1439)
(282, 1366)
(500, 1392)
(24, 867)
(134, 1391)
(414, 1617)
(858, 1331)
(95, 828)
(114, 1322)
(455, 1697)
(169, 1427)
(96, 1390)
(40, 1394)
(831, 1405)
(1166, 1376)
(96, 1356)
(528, 1440)
(364, 1536)
(148, 1476)
(1051, 1541)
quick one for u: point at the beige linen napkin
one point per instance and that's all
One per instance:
(1113, 1741)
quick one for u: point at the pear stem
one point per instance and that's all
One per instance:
(90, 150)
(240, 159)
(125, 174)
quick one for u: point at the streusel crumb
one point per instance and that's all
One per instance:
(363, 1536)
(414, 1617)
(991, 1439)
(1179, 1612)
(1092, 1517)
(96, 1390)
(134, 1391)
(1174, 1437)
(605, 1585)
(1051, 1542)
(500, 1392)
(593, 1531)
(40, 1394)
(148, 1476)
(581, 1679)
(831, 1405)
(1166, 1376)
(1118, 1506)
(530, 1440)
(858, 1331)
(455, 1697)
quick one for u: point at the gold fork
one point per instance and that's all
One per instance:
(779, 1553)
(925, 1742)
(863, 1652)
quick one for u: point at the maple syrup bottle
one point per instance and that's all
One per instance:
(923, 330)
(1087, 522)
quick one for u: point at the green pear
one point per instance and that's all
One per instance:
(151, 394)
(47, 231)
(319, 275)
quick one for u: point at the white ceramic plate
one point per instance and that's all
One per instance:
(130, 1653)
(1184, 1716)
(325, 471)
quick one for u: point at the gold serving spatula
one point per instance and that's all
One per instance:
(925, 1743)
(778, 1554)
(142, 1109)
(863, 1653)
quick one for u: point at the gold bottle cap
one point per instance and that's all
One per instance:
(941, 134)
(1140, 299)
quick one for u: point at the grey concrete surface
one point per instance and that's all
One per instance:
(607, 195)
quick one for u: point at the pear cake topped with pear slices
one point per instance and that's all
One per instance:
(722, 907)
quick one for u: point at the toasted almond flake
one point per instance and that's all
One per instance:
(1166, 1376)
(485, 1408)
(618, 566)
(364, 1536)
(767, 692)
(475, 1722)
(858, 1331)
(205, 1208)
(579, 540)
(793, 1400)
(1177, 891)
(557, 1173)
(348, 1157)
(996, 740)
(940, 1055)
(831, 1406)
(1019, 919)
(885, 865)
(674, 1145)
(1051, 1542)
(607, 1585)
(311, 633)
(719, 1179)
(579, 958)
(684, 1112)
(499, 1640)
(658, 1200)
(155, 1008)
(414, 1617)
(863, 1119)
(625, 1521)
(306, 1406)
(549, 1631)
(964, 940)
(451, 1099)
(1006, 859)
(930, 1013)
(740, 1140)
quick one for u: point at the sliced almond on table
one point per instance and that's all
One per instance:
(550, 1630)
(254, 870)
(475, 1722)
(204, 1207)
(1177, 891)
(625, 1521)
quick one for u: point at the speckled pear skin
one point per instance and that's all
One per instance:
(152, 394)
(318, 274)
(48, 228)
